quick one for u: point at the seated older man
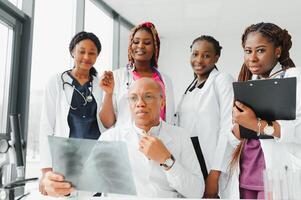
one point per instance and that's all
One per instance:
(162, 157)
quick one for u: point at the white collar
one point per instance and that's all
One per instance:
(155, 130)
(276, 68)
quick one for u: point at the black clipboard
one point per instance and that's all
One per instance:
(271, 99)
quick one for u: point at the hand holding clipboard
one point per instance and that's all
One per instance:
(271, 99)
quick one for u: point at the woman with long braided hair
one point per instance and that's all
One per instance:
(143, 54)
(266, 56)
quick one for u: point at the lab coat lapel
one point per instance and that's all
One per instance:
(210, 79)
(68, 91)
(66, 97)
(96, 95)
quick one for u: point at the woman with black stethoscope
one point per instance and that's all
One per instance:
(143, 53)
(72, 101)
(205, 110)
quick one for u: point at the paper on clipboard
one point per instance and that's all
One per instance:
(92, 165)
(270, 99)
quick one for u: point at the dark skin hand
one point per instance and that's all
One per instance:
(153, 148)
(211, 185)
(246, 117)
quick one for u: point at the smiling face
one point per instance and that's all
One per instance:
(85, 54)
(142, 47)
(145, 98)
(203, 57)
(260, 55)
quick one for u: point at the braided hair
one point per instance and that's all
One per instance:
(150, 28)
(211, 40)
(278, 36)
(84, 36)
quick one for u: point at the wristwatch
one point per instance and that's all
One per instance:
(269, 128)
(4, 146)
(168, 163)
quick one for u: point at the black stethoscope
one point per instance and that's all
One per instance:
(87, 99)
(132, 68)
(190, 87)
(193, 84)
(176, 115)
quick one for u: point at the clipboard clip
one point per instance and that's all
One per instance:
(251, 84)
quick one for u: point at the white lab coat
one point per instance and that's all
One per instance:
(123, 80)
(151, 180)
(207, 113)
(286, 150)
(55, 112)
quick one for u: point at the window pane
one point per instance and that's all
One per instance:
(101, 25)
(17, 3)
(124, 43)
(6, 36)
(53, 30)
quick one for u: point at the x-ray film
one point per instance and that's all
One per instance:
(93, 165)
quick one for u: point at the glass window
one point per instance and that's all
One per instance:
(17, 3)
(6, 38)
(53, 30)
(98, 22)
(123, 45)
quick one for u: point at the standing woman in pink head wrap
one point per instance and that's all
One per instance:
(143, 54)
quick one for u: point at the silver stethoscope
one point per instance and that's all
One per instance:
(130, 68)
(87, 99)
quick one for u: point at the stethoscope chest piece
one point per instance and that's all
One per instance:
(89, 98)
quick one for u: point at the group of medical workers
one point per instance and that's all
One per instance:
(135, 104)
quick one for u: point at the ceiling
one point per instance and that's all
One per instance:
(190, 17)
